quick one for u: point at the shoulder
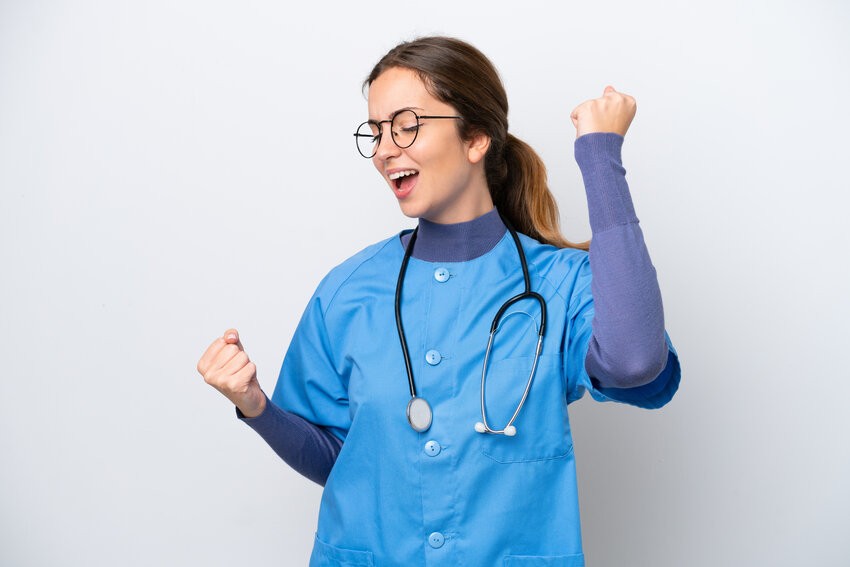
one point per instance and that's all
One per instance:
(560, 273)
(369, 262)
(552, 263)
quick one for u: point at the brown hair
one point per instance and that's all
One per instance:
(458, 74)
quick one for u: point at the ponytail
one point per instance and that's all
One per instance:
(517, 179)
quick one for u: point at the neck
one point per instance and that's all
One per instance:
(458, 242)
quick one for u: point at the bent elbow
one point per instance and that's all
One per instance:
(643, 373)
(634, 370)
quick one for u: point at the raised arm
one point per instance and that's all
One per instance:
(628, 347)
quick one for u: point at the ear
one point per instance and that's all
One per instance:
(478, 146)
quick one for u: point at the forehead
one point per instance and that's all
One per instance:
(398, 88)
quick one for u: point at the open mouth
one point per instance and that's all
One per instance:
(404, 180)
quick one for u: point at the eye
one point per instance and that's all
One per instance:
(405, 132)
(405, 122)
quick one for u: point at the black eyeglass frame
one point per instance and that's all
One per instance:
(380, 123)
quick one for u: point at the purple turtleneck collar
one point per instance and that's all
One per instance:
(458, 242)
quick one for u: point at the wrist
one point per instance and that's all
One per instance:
(254, 405)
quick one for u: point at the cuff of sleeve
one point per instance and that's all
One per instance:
(262, 421)
(598, 145)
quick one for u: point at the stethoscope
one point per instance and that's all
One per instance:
(419, 413)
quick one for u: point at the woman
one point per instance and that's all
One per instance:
(436, 445)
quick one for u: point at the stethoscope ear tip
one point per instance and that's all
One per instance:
(509, 431)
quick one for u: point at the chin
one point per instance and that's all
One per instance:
(412, 211)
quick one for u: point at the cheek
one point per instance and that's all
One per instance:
(430, 155)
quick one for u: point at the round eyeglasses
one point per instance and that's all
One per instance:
(404, 126)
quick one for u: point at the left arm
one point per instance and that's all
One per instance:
(627, 348)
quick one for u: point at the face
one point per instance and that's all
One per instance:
(440, 177)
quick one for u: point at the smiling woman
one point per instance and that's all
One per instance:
(444, 178)
(499, 323)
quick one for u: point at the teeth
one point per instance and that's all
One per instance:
(399, 174)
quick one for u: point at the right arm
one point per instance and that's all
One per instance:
(306, 447)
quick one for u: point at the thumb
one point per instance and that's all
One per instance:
(231, 337)
(608, 90)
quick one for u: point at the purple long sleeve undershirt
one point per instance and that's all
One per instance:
(627, 347)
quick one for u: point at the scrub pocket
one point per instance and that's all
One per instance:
(542, 426)
(326, 555)
(552, 561)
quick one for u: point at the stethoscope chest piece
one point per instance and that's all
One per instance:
(419, 414)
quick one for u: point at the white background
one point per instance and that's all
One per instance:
(172, 168)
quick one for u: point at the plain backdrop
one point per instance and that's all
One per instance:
(169, 169)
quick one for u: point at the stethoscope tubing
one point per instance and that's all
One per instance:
(424, 422)
(509, 430)
(408, 251)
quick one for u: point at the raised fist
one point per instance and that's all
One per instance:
(612, 112)
(226, 367)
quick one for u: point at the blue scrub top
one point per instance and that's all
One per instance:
(450, 495)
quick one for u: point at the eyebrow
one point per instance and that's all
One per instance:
(393, 113)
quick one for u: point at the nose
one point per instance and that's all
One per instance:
(386, 147)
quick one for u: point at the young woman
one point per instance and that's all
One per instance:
(428, 381)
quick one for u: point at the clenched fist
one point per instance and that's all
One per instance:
(612, 112)
(227, 368)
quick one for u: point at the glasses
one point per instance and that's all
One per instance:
(404, 126)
